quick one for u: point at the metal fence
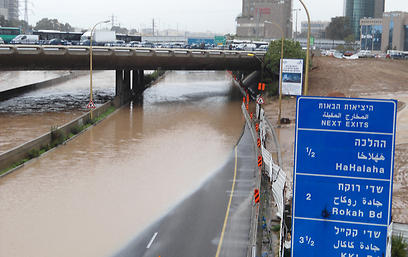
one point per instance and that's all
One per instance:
(277, 176)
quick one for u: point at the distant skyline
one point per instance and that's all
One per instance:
(212, 15)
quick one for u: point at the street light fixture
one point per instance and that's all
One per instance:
(90, 64)
(280, 69)
(307, 50)
(296, 26)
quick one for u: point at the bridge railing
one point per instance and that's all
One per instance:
(123, 51)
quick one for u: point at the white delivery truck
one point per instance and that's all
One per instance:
(100, 37)
(25, 39)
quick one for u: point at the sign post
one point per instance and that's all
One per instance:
(344, 159)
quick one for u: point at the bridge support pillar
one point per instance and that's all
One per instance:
(138, 85)
(128, 84)
(123, 93)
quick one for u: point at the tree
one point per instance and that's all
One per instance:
(15, 23)
(133, 32)
(339, 29)
(3, 21)
(119, 30)
(291, 50)
(52, 24)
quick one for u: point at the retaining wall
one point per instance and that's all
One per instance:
(7, 94)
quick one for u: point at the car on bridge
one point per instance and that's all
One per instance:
(25, 39)
(118, 43)
(57, 41)
(133, 44)
(262, 48)
(249, 47)
(147, 44)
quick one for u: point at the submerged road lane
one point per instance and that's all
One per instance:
(91, 196)
(193, 228)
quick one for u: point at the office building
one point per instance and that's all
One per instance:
(387, 33)
(4, 8)
(355, 10)
(9, 9)
(259, 17)
(317, 28)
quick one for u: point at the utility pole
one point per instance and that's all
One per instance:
(26, 13)
(257, 23)
(296, 24)
(153, 27)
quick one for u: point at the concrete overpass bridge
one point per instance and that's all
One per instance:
(128, 62)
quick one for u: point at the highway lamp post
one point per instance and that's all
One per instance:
(90, 64)
(280, 69)
(296, 22)
(307, 50)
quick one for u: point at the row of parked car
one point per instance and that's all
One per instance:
(391, 54)
(34, 40)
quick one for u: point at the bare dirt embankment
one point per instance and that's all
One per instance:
(368, 78)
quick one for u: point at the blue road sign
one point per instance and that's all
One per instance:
(344, 159)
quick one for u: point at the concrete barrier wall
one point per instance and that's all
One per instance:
(7, 94)
(21, 152)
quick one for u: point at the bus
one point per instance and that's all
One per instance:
(46, 35)
(8, 33)
(128, 38)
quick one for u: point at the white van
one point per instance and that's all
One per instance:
(25, 39)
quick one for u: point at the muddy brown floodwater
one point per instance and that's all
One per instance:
(96, 193)
(32, 114)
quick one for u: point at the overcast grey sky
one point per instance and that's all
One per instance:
(199, 16)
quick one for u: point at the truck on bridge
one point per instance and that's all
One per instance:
(100, 37)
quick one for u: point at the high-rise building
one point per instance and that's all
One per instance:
(4, 9)
(388, 33)
(317, 28)
(358, 9)
(9, 9)
(259, 17)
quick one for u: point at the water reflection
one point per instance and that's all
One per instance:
(94, 194)
(13, 79)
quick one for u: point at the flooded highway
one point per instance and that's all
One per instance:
(32, 114)
(93, 195)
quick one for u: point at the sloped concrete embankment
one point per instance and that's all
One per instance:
(18, 155)
(10, 93)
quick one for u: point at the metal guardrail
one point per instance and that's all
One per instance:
(48, 57)
(276, 175)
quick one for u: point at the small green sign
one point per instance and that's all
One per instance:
(312, 41)
(219, 40)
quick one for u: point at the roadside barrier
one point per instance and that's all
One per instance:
(277, 176)
(256, 195)
(261, 131)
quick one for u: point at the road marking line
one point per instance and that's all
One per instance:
(151, 240)
(228, 207)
